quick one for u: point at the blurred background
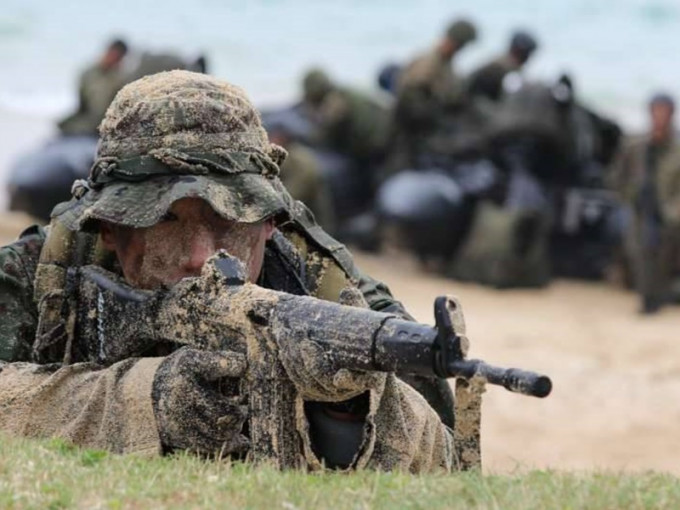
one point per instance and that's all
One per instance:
(266, 45)
(562, 189)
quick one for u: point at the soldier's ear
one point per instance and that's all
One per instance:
(269, 226)
(107, 235)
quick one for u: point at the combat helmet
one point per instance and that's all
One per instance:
(316, 84)
(462, 32)
(173, 135)
(523, 44)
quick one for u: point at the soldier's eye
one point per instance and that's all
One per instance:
(217, 221)
(169, 216)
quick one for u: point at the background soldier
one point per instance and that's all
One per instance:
(647, 177)
(97, 88)
(428, 90)
(153, 210)
(487, 81)
(347, 121)
(349, 124)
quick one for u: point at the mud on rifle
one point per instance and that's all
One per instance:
(220, 310)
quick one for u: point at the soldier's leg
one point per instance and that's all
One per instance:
(644, 258)
(666, 265)
(647, 280)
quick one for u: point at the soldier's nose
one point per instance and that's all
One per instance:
(199, 246)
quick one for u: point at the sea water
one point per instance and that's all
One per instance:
(617, 51)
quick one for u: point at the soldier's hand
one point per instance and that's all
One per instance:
(311, 368)
(312, 371)
(191, 411)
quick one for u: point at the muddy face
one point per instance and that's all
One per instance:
(177, 246)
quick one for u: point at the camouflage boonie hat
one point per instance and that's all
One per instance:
(174, 135)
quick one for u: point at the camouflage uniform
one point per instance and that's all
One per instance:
(648, 181)
(97, 89)
(49, 388)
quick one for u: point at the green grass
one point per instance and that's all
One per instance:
(51, 474)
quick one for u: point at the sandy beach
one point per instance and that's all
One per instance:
(616, 375)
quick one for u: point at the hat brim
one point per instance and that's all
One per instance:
(243, 197)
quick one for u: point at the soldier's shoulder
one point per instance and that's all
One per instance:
(675, 142)
(311, 237)
(27, 246)
(19, 260)
(90, 73)
(493, 67)
(671, 160)
(421, 69)
(336, 105)
(330, 267)
(323, 275)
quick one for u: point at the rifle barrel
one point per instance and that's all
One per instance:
(512, 379)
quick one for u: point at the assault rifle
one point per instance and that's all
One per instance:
(220, 310)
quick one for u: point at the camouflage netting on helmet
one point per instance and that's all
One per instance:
(185, 111)
(174, 135)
